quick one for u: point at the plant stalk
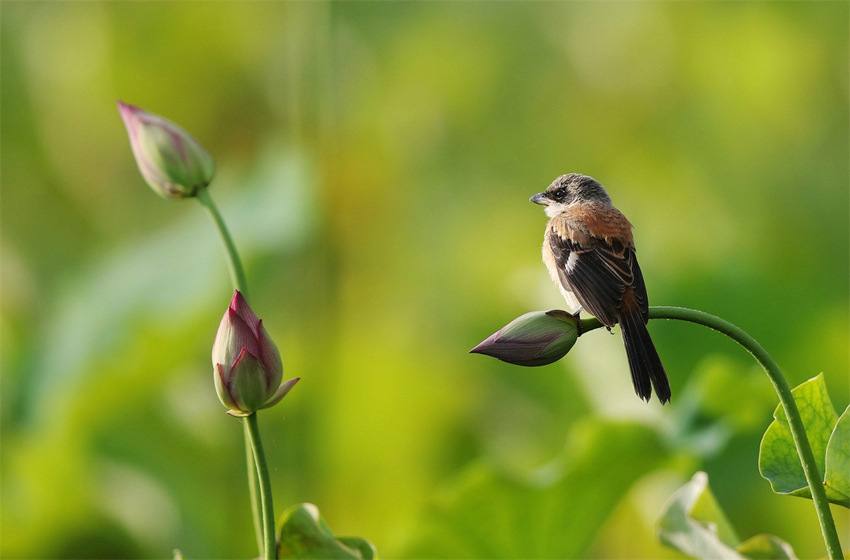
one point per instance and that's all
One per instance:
(253, 488)
(269, 546)
(237, 277)
(237, 273)
(792, 413)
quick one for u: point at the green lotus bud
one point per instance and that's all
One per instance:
(534, 339)
(173, 163)
(246, 363)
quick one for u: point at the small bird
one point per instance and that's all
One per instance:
(590, 253)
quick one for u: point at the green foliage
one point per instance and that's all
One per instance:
(837, 474)
(374, 165)
(693, 522)
(303, 534)
(553, 512)
(778, 459)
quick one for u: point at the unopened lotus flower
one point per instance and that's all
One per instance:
(246, 363)
(534, 339)
(172, 162)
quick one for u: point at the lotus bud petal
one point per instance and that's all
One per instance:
(246, 363)
(534, 339)
(172, 162)
(281, 392)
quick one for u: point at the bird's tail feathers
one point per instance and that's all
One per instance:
(647, 369)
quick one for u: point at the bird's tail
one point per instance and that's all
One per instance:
(643, 358)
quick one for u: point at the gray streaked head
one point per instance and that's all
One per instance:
(570, 188)
(574, 186)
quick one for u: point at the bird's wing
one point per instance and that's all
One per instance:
(638, 285)
(598, 273)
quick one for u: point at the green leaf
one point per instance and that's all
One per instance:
(837, 476)
(739, 399)
(778, 459)
(766, 547)
(364, 547)
(692, 522)
(553, 512)
(302, 533)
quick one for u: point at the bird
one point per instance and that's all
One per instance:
(589, 250)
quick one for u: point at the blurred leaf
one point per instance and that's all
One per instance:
(719, 401)
(302, 533)
(739, 398)
(766, 547)
(692, 522)
(778, 459)
(554, 513)
(837, 475)
(706, 509)
(365, 548)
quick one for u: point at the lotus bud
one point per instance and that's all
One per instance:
(246, 363)
(173, 163)
(534, 339)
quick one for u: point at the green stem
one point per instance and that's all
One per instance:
(237, 277)
(237, 273)
(270, 549)
(795, 421)
(253, 488)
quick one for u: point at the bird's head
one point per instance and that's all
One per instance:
(567, 189)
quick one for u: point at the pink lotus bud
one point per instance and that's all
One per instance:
(246, 363)
(173, 163)
(534, 339)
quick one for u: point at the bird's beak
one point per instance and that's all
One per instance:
(540, 198)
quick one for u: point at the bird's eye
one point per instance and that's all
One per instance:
(560, 193)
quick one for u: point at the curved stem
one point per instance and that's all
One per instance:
(237, 273)
(792, 413)
(237, 277)
(270, 549)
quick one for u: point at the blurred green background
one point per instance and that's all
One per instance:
(375, 162)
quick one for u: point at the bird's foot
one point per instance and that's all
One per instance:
(579, 325)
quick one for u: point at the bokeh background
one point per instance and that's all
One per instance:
(375, 163)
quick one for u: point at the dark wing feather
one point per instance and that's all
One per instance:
(637, 284)
(598, 275)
